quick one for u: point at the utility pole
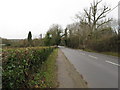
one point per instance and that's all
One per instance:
(119, 17)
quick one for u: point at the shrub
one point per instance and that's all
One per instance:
(110, 45)
(20, 64)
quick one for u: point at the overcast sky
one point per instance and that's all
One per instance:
(18, 17)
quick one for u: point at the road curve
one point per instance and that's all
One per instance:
(100, 71)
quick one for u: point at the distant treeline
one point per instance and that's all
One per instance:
(21, 42)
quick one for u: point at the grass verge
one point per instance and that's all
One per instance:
(46, 77)
(106, 53)
(111, 53)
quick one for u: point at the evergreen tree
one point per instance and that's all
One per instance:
(30, 38)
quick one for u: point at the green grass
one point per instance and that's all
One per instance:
(89, 50)
(47, 76)
(111, 53)
(106, 53)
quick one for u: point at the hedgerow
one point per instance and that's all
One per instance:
(20, 64)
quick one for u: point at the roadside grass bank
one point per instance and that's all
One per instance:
(111, 53)
(47, 76)
(106, 53)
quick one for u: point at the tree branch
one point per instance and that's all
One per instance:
(103, 12)
(103, 23)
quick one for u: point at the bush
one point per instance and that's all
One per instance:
(106, 45)
(20, 64)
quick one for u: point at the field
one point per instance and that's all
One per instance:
(20, 66)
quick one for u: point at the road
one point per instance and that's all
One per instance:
(100, 71)
(68, 77)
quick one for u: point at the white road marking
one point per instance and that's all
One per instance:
(93, 56)
(82, 54)
(112, 63)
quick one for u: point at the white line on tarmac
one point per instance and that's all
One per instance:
(93, 56)
(82, 54)
(112, 63)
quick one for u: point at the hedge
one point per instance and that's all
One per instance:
(19, 65)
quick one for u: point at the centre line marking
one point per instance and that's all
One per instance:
(112, 63)
(92, 56)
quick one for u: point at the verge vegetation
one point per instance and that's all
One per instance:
(47, 75)
(106, 53)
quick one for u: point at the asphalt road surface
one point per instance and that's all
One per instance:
(100, 71)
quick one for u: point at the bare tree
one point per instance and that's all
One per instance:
(96, 16)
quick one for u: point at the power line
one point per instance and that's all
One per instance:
(113, 9)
